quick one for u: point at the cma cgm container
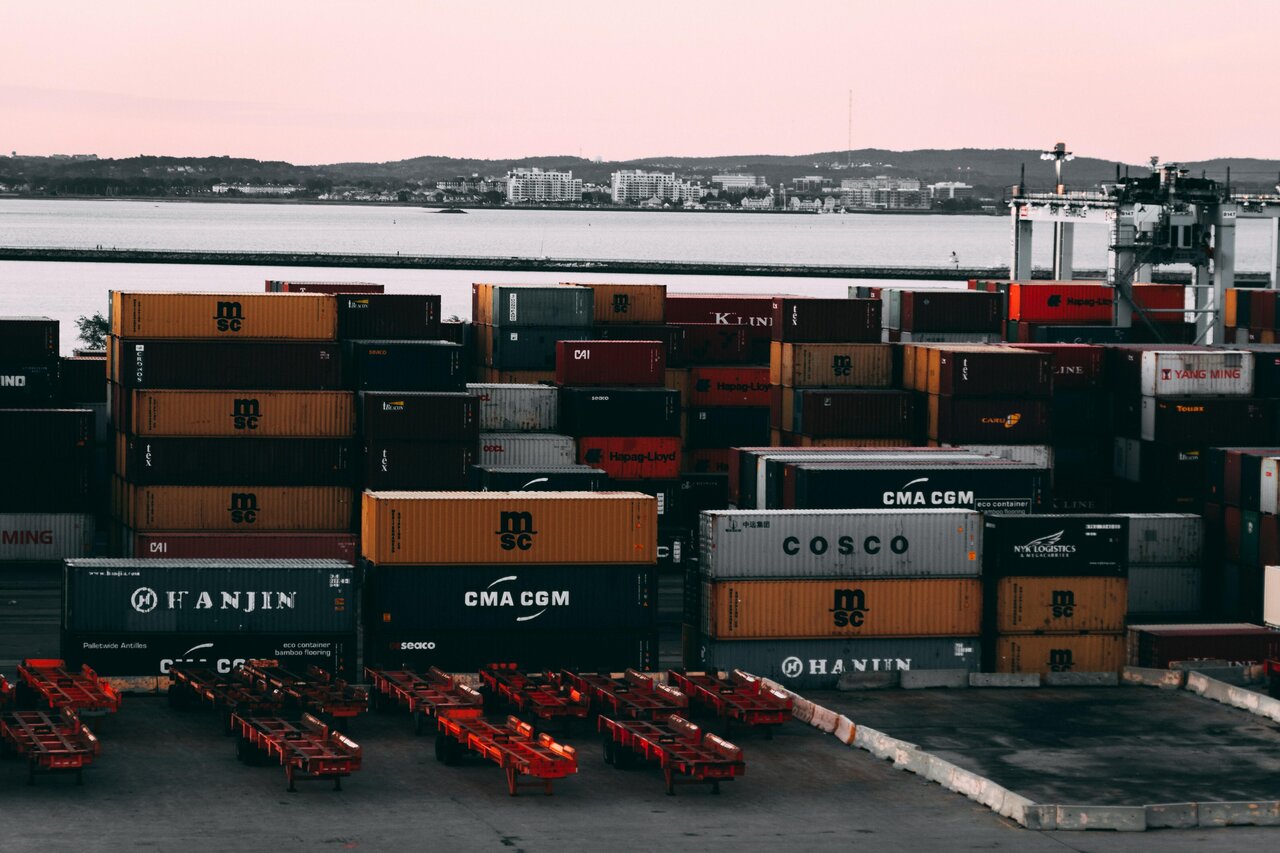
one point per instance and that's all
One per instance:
(419, 416)
(517, 408)
(1191, 374)
(1220, 420)
(1045, 653)
(40, 536)
(623, 304)
(261, 365)
(1237, 643)
(455, 528)
(302, 317)
(1055, 545)
(227, 461)
(516, 478)
(611, 362)
(418, 465)
(1061, 605)
(831, 365)
(640, 458)
(28, 339)
(841, 543)
(243, 546)
(765, 488)
(1058, 303)
(240, 414)
(620, 411)
(519, 448)
(199, 508)
(987, 485)
(405, 317)
(405, 365)
(819, 320)
(507, 306)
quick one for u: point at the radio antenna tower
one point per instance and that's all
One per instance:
(849, 148)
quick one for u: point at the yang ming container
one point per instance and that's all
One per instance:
(1191, 374)
(405, 365)
(1055, 545)
(831, 365)
(507, 306)
(235, 508)
(419, 416)
(261, 365)
(40, 536)
(822, 320)
(518, 448)
(243, 546)
(1061, 605)
(227, 461)
(517, 408)
(405, 317)
(239, 414)
(232, 316)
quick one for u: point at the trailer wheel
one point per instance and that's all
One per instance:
(625, 758)
(610, 750)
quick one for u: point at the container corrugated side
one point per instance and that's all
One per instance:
(236, 508)
(627, 303)
(242, 546)
(1040, 455)
(819, 664)
(1165, 590)
(545, 651)
(1235, 642)
(34, 536)
(1062, 605)
(517, 408)
(123, 654)
(543, 450)
(831, 365)
(766, 609)
(300, 317)
(301, 414)
(1166, 539)
(1271, 596)
(455, 528)
(536, 305)
(1045, 653)
(841, 543)
(1189, 374)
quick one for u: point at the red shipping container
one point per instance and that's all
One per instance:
(720, 309)
(826, 320)
(611, 363)
(1159, 645)
(707, 343)
(246, 546)
(1074, 365)
(1167, 301)
(707, 461)
(632, 458)
(1061, 304)
(1231, 518)
(1262, 309)
(945, 311)
(323, 287)
(728, 386)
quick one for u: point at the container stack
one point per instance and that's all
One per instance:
(810, 598)
(517, 327)
(546, 580)
(331, 287)
(1166, 567)
(229, 417)
(1056, 592)
(1250, 316)
(1237, 530)
(940, 316)
(518, 424)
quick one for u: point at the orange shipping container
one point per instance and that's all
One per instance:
(628, 303)
(457, 528)
(831, 365)
(776, 609)
(242, 508)
(298, 414)
(1045, 653)
(220, 316)
(1061, 605)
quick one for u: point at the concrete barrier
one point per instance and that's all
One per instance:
(1118, 818)
(846, 732)
(1004, 679)
(920, 679)
(1082, 679)
(1237, 697)
(1173, 816)
(1265, 813)
(1166, 679)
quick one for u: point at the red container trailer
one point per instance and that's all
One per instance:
(611, 363)
(247, 546)
(720, 309)
(728, 386)
(826, 320)
(644, 458)
(1061, 304)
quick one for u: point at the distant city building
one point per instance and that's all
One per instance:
(766, 203)
(811, 185)
(631, 186)
(474, 184)
(539, 185)
(739, 182)
(246, 189)
(883, 193)
(950, 190)
(812, 205)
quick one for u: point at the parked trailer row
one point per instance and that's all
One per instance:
(50, 743)
(309, 750)
(83, 692)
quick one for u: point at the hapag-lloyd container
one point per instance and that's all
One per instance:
(242, 546)
(1190, 374)
(517, 408)
(1236, 642)
(864, 413)
(388, 317)
(821, 320)
(728, 386)
(1218, 420)
(519, 448)
(227, 461)
(1045, 653)
(243, 414)
(234, 508)
(38, 536)
(297, 317)
(1061, 605)
(262, 365)
(639, 458)
(610, 362)
(419, 416)
(1055, 546)
(831, 365)
(620, 304)
(841, 543)
(1061, 303)
(455, 528)
(769, 609)
(507, 305)
(1165, 539)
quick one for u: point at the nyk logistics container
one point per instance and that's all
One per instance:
(987, 485)
(241, 414)
(820, 320)
(1060, 605)
(28, 339)
(620, 411)
(505, 305)
(831, 365)
(301, 317)
(1058, 303)
(239, 507)
(626, 303)
(767, 609)
(419, 416)
(610, 362)
(262, 365)
(456, 528)
(40, 536)
(227, 461)
(517, 408)
(1220, 421)
(728, 386)
(1196, 373)
(520, 448)
(389, 317)
(1046, 653)
(405, 365)
(242, 546)
(1055, 545)
(640, 458)
(841, 543)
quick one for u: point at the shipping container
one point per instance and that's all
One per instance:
(610, 363)
(829, 413)
(530, 599)
(228, 461)
(638, 458)
(416, 465)
(949, 311)
(239, 507)
(42, 430)
(1175, 468)
(1236, 643)
(1165, 591)
(1074, 366)
(519, 448)
(1076, 416)
(700, 492)
(301, 317)
(831, 365)
(546, 651)
(1165, 539)
(517, 408)
(398, 317)
(1000, 420)
(525, 347)
(261, 365)
(28, 340)
(526, 478)
(711, 344)
(1060, 605)
(950, 337)
(125, 654)
(620, 411)
(323, 287)
(82, 379)
(30, 385)
(720, 309)
(626, 303)
(1208, 420)
(1061, 303)
(41, 536)
(419, 416)
(672, 338)
(240, 414)
(706, 460)
(799, 320)
(987, 485)
(1028, 333)
(1160, 303)
(987, 372)
(1269, 484)
(405, 365)
(1055, 546)
(1040, 455)
(820, 664)
(1046, 653)
(727, 427)
(1192, 374)
(1271, 596)
(841, 543)
(768, 609)
(242, 546)
(453, 528)
(505, 305)
(728, 386)
(665, 491)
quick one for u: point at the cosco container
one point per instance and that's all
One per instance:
(1060, 605)
(1219, 421)
(419, 416)
(1046, 653)
(725, 426)
(515, 478)
(990, 485)
(417, 465)
(1236, 643)
(261, 365)
(1191, 374)
(405, 365)
(1055, 545)
(28, 340)
(227, 461)
(767, 609)
(301, 317)
(728, 386)
(40, 536)
(1165, 539)
(612, 362)
(239, 414)
(841, 543)
(532, 305)
(29, 386)
(249, 507)
(847, 412)
(242, 546)
(454, 528)
(1008, 420)
(623, 304)
(517, 408)
(1165, 591)
(720, 309)
(1061, 303)
(124, 654)
(542, 651)
(404, 317)
(640, 458)
(831, 365)
(518, 448)
(524, 347)
(823, 320)
(620, 411)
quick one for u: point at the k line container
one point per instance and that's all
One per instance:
(821, 320)
(532, 305)
(262, 365)
(126, 653)
(1061, 605)
(518, 448)
(243, 546)
(517, 408)
(1237, 643)
(1208, 420)
(227, 461)
(1074, 366)
(1190, 374)
(301, 317)
(610, 362)
(720, 309)
(234, 508)
(455, 528)
(627, 303)
(1055, 546)
(240, 414)
(767, 609)
(840, 543)
(620, 411)
(831, 365)
(28, 339)
(419, 416)
(388, 317)
(1165, 539)
(1158, 591)
(1045, 653)
(405, 365)
(728, 386)
(640, 458)
(40, 536)
(428, 466)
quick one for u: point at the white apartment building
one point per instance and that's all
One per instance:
(539, 185)
(950, 190)
(884, 193)
(634, 185)
(246, 189)
(739, 182)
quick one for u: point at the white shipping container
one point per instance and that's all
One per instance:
(1270, 484)
(1165, 590)
(950, 337)
(1040, 455)
(1271, 597)
(518, 449)
(854, 454)
(39, 536)
(1165, 539)
(1201, 372)
(873, 543)
(517, 408)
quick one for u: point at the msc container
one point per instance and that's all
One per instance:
(301, 317)
(416, 465)
(518, 448)
(1060, 605)
(1237, 643)
(822, 320)
(728, 386)
(819, 664)
(959, 420)
(989, 485)
(641, 458)
(527, 478)
(1163, 591)
(453, 528)
(1218, 421)
(166, 596)
(1074, 366)
(766, 609)
(612, 362)
(227, 461)
(620, 411)
(1055, 546)
(1191, 374)
(831, 365)
(262, 365)
(242, 546)
(122, 654)
(403, 317)
(840, 543)
(405, 365)
(201, 508)
(1046, 653)
(949, 311)
(1061, 303)
(987, 372)
(1165, 539)
(40, 536)
(852, 412)
(517, 408)
(626, 303)
(720, 309)
(507, 305)
(29, 386)
(536, 651)
(323, 287)
(727, 427)
(532, 599)
(419, 416)
(29, 340)
(240, 414)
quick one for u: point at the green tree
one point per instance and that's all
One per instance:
(94, 330)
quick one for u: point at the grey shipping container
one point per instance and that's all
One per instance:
(766, 485)
(203, 597)
(819, 664)
(127, 654)
(1165, 590)
(841, 543)
(950, 337)
(1166, 539)
(517, 408)
(527, 449)
(523, 305)
(37, 536)
(1040, 455)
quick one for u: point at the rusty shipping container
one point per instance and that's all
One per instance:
(1046, 653)
(610, 363)
(517, 408)
(419, 416)
(825, 320)
(626, 303)
(769, 609)
(1010, 420)
(1061, 605)
(242, 546)
(297, 317)
(456, 528)
(987, 372)
(235, 508)
(262, 365)
(831, 365)
(299, 414)
(728, 386)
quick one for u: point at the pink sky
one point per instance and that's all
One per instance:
(322, 81)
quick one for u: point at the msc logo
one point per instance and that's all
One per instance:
(144, 599)
(1063, 604)
(849, 608)
(621, 303)
(515, 531)
(245, 413)
(229, 317)
(842, 365)
(1060, 660)
(244, 508)
(1008, 421)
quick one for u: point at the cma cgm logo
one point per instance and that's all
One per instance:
(1008, 421)
(1046, 546)
(515, 531)
(198, 656)
(543, 599)
(229, 317)
(908, 496)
